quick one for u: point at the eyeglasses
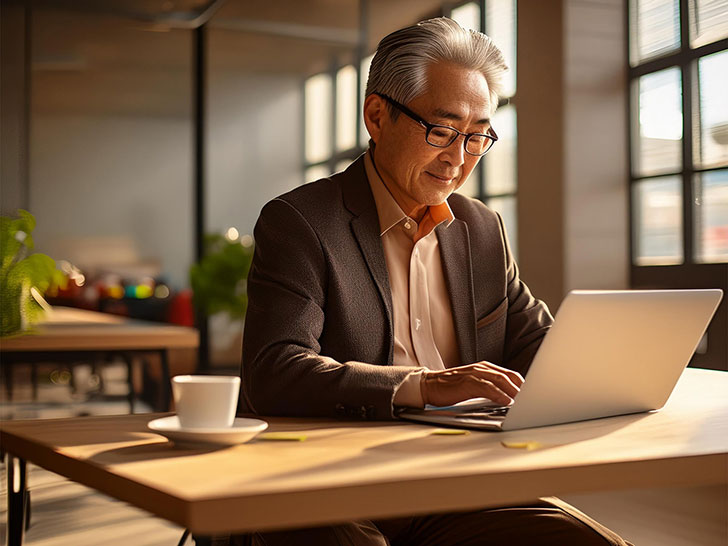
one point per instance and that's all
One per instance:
(441, 136)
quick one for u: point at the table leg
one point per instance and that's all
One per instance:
(166, 393)
(34, 380)
(8, 373)
(130, 379)
(17, 499)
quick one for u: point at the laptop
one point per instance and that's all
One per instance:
(607, 353)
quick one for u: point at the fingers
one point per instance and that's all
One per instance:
(454, 385)
(515, 377)
(509, 383)
(491, 390)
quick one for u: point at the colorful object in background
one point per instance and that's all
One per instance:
(180, 309)
(115, 291)
(141, 297)
(140, 292)
(24, 277)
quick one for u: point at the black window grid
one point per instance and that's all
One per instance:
(686, 60)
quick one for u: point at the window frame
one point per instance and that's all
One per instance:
(334, 156)
(686, 60)
(690, 273)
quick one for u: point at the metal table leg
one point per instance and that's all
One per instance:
(7, 371)
(17, 499)
(34, 380)
(166, 394)
(130, 379)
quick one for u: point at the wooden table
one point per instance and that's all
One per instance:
(346, 471)
(72, 335)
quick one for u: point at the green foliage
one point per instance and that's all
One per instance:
(20, 272)
(219, 280)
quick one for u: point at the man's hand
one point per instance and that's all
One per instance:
(446, 387)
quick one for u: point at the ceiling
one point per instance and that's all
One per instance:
(134, 57)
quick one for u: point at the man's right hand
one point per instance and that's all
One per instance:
(447, 387)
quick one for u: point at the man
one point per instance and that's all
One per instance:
(379, 287)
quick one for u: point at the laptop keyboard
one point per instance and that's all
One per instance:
(485, 412)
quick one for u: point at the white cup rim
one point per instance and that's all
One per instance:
(227, 379)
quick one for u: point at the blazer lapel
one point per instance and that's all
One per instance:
(457, 265)
(365, 226)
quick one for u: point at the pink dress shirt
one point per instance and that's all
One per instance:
(424, 332)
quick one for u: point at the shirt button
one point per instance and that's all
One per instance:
(418, 323)
(407, 225)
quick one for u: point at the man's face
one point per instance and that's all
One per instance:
(418, 174)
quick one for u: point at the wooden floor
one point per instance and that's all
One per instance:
(68, 514)
(65, 513)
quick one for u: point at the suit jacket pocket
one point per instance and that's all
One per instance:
(490, 334)
(494, 315)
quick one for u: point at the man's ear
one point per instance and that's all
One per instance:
(375, 114)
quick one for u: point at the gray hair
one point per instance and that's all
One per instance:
(399, 66)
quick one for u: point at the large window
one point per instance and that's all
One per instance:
(678, 77)
(678, 58)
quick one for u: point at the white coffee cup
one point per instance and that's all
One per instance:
(206, 401)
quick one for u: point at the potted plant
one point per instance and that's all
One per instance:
(24, 277)
(219, 286)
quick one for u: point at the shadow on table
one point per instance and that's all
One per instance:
(445, 452)
(470, 447)
(150, 452)
(546, 438)
(160, 450)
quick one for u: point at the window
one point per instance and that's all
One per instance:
(330, 126)
(678, 58)
(494, 181)
(678, 77)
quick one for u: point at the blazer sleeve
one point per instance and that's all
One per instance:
(528, 318)
(283, 372)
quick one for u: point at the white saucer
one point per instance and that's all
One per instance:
(242, 430)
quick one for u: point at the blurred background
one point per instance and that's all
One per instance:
(133, 129)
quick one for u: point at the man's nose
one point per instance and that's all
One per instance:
(455, 153)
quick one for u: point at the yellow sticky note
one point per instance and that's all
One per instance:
(283, 436)
(528, 446)
(449, 431)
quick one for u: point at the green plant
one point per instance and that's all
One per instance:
(219, 280)
(22, 274)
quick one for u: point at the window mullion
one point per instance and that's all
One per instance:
(686, 65)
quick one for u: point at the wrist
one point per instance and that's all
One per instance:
(423, 388)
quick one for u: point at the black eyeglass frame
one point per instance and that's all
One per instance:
(491, 135)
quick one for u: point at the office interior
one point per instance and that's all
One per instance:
(133, 129)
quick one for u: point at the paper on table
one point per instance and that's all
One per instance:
(467, 405)
(449, 431)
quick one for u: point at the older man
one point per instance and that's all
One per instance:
(378, 287)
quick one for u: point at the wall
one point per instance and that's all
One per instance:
(596, 234)
(13, 133)
(111, 146)
(115, 176)
(572, 201)
(254, 151)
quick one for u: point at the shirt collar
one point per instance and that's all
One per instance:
(389, 212)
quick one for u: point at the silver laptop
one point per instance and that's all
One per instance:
(607, 353)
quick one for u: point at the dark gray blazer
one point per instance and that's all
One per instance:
(318, 332)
